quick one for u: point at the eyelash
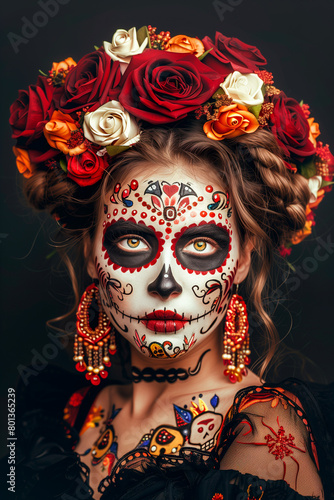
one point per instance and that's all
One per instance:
(129, 237)
(207, 240)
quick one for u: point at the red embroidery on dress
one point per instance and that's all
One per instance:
(280, 445)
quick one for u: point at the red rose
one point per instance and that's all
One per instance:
(28, 115)
(31, 111)
(290, 127)
(92, 82)
(86, 169)
(231, 54)
(161, 87)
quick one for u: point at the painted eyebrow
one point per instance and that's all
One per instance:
(124, 227)
(206, 229)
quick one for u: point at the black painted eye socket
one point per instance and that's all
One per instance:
(130, 245)
(154, 188)
(203, 248)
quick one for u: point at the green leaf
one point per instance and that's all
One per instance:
(63, 164)
(263, 89)
(308, 169)
(291, 266)
(96, 47)
(301, 102)
(143, 33)
(42, 72)
(326, 183)
(255, 110)
(204, 54)
(218, 92)
(51, 254)
(115, 150)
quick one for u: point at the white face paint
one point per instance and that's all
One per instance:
(166, 253)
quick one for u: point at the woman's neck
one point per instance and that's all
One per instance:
(201, 368)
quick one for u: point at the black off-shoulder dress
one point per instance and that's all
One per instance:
(47, 468)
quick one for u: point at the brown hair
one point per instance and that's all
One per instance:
(268, 199)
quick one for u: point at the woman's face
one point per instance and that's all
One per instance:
(166, 255)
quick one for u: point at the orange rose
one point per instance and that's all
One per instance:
(23, 162)
(314, 131)
(63, 66)
(185, 44)
(58, 132)
(232, 120)
(300, 235)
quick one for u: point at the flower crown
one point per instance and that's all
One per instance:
(83, 114)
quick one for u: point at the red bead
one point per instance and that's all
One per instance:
(103, 374)
(244, 372)
(95, 380)
(246, 360)
(81, 366)
(108, 364)
(232, 378)
(112, 352)
(88, 376)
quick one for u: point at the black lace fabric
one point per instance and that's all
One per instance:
(48, 468)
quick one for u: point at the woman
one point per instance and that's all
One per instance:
(176, 169)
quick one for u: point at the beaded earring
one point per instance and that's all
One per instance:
(93, 344)
(236, 339)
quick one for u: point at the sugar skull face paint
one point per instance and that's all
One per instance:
(166, 254)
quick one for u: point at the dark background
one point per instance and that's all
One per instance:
(295, 37)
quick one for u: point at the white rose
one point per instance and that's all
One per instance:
(244, 89)
(111, 125)
(314, 184)
(124, 45)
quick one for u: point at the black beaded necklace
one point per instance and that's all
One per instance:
(148, 374)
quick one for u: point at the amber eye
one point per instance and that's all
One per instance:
(200, 245)
(133, 242)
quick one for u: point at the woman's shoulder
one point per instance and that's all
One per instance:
(282, 431)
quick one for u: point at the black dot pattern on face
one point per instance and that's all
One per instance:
(200, 395)
(193, 398)
(185, 407)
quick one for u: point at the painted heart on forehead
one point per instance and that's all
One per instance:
(169, 197)
(166, 258)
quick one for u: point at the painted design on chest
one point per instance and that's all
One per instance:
(197, 426)
(104, 449)
(170, 199)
